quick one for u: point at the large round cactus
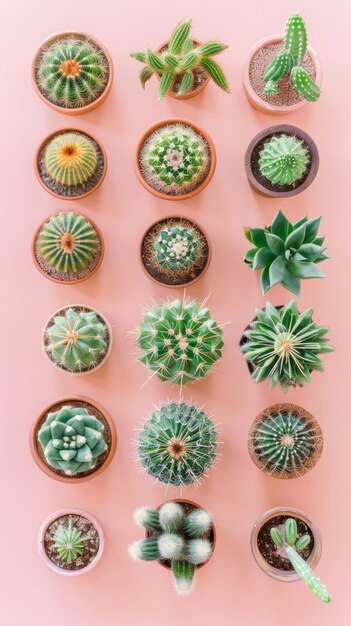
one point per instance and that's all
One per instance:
(177, 444)
(283, 160)
(70, 158)
(179, 341)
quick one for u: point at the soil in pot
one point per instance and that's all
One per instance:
(273, 555)
(86, 530)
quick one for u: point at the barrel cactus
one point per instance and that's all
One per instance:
(176, 249)
(177, 444)
(72, 71)
(287, 541)
(71, 158)
(179, 341)
(284, 345)
(69, 542)
(285, 252)
(283, 160)
(289, 60)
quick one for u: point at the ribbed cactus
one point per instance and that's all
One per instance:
(69, 542)
(286, 539)
(179, 341)
(68, 242)
(72, 71)
(283, 160)
(176, 249)
(71, 158)
(290, 59)
(76, 339)
(177, 445)
(72, 440)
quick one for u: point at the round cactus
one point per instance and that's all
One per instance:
(176, 249)
(70, 158)
(179, 341)
(283, 160)
(72, 71)
(177, 445)
(69, 542)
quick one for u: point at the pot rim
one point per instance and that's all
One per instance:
(190, 94)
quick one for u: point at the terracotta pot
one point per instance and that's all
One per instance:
(188, 94)
(109, 330)
(316, 454)
(88, 107)
(198, 130)
(41, 542)
(183, 285)
(251, 158)
(68, 282)
(45, 467)
(37, 171)
(254, 99)
(278, 574)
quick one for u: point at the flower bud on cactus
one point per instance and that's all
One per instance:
(71, 158)
(198, 551)
(144, 550)
(170, 546)
(283, 160)
(171, 517)
(69, 542)
(147, 518)
(198, 523)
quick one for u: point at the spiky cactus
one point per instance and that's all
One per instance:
(284, 345)
(289, 60)
(179, 341)
(76, 340)
(72, 71)
(176, 249)
(178, 62)
(181, 539)
(286, 252)
(286, 540)
(69, 542)
(283, 160)
(177, 445)
(70, 158)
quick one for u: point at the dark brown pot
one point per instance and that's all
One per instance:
(262, 185)
(188, 94)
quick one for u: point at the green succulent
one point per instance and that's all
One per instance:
(286, 252)
(287, 540)
(69, 542)
(284, 345)
(283, 159)
(176, 248)
(71, 158)
(179, 341)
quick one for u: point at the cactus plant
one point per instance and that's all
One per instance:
(71, 71)
(287, 541)
(283, 345)
(180, 61)
(69, 542)
(283, 160)
(70, 158)
(289, 60)
(177, 445)
(72, 440)
(286, 252)
(179, 341)
(181, 539)
(77, 339)
(176, 249)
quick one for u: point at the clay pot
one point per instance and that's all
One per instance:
(45, 467)
(251, 95)
(188, 94)
(197, 129)
(68, 282)
(252, 156)
(88, 107)
(37, 171)
(41, 542)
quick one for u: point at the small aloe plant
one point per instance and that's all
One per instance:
(287, 541)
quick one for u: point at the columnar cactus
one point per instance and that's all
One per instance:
(72, 440)
(69, 542)
(283, 160)
(286, 539)
(177, 445)
(179, 341)
(177, 63)
(286, 252)
(289, 60)
(72, 72)
(71, 158)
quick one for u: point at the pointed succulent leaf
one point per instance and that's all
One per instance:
(264, 279)
(263, 257)
(275, 243)
(280, 226)
(296, 238)
(277, 271)
(305, 269)
(312, 229)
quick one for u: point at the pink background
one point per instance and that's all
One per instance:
(231, 589)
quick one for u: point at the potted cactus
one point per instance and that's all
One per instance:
(73, 440)
(179, 341)
(286, 253)
(177, 444)
(285, 441)
(282, 72)
(286, 545)
(281, 161)
(77, 339)
(175, 252)
(71, 542)
(182, 65)
(72, 72)
(70, 164)
(180, 536)
(67, 248)
(283, 345)
(175, 159)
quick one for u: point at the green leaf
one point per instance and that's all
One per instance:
(249, 256)
(304, 269)
(264, 279)
(292, 283)
(280, 226)
(310, 251)
(277, 271)
(312, 229)
(275, 244)
(263, 257)
(145, 75)
(257, 237)
(296, 238)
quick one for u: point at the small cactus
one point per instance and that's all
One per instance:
(171, 517)
(283, 160)
(198, 523)
(69, 542)
(70, 159)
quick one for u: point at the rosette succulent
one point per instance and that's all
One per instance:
(283, 160)
(284, 345)
(177, 444)
(286, 252)
(69, 542)
(179, 341)
(72, 440)
(71, 158)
